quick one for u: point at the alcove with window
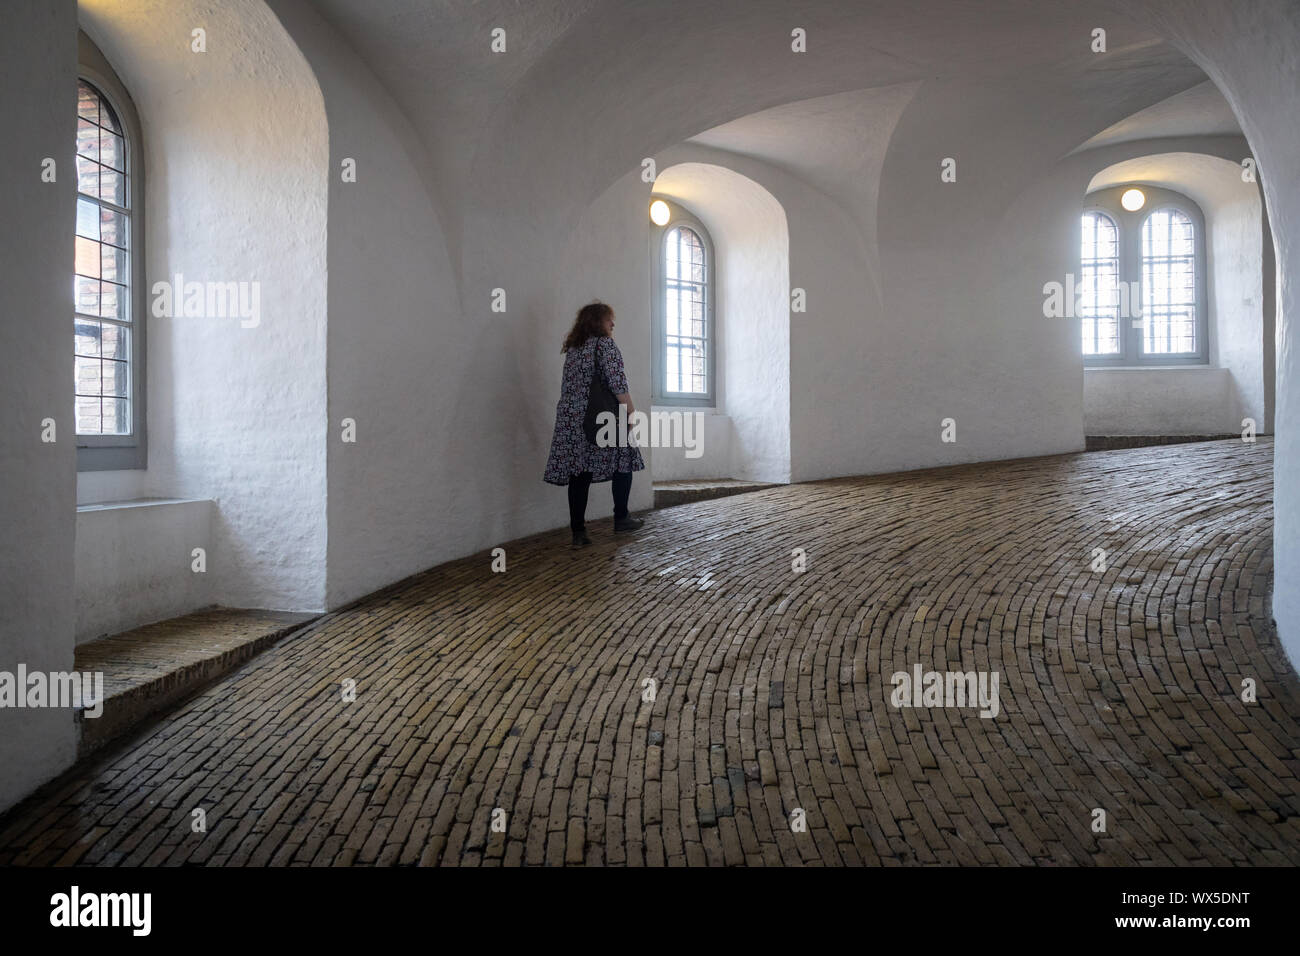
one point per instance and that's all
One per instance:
(719, 258)
(1174, 316)
(170, 408)
(122, 509)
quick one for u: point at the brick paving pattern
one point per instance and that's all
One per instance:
(524, 691)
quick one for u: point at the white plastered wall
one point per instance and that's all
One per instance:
(38, 49)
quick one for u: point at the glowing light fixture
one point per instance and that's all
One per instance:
(659, 212)
(1132, 200)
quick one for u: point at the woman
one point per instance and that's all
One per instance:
(589, 349)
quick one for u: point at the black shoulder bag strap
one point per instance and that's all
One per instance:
(599, 399)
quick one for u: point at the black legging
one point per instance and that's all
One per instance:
(621, 484)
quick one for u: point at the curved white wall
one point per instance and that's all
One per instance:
(403, 497)
(1252, 52)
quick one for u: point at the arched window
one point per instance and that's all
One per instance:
(108, 353)
(684, 326)
(1141, 288)
(1099, 281)
(1169, 283)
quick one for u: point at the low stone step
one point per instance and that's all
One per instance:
(151, 668)
(1113, 442)
(669, 493)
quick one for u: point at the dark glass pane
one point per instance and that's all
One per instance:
(87, 337)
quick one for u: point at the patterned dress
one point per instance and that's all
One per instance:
(571, 453)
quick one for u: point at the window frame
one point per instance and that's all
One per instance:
(1105, 358)
(1130, 225)
(1200, 356)
(130, 451)
(680, 216)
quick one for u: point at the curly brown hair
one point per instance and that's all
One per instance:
(587, 325)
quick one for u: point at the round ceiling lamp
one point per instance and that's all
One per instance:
(1132, 200)
(659, 212)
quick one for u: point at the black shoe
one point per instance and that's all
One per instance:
(580, 539)
(628, 524)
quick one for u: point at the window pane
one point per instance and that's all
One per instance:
(88, 258)
(87, 140)
(89, 377)
(115, 417)
(87, 219)
(112, 301)
(115, 378)
(88, 337)
(87, 103)
(113, 263)
(116, 342)
(112, 227)
(112, 186)
(87, 295)
(107, 118)
(87, 176)
(88, 420)
(112, 151)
